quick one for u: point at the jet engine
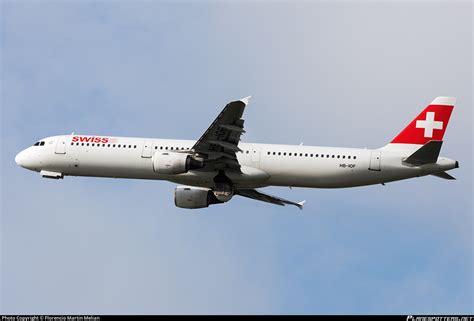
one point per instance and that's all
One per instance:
(175, 163)
(194, 197)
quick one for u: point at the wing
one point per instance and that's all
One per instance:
(219, 143)
(259, 196)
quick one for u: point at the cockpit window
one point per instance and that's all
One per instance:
(36, 144)
(41, 143)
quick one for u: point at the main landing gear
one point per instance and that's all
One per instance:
(223, 187)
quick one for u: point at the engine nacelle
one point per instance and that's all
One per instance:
(175, 163)
(193, 197)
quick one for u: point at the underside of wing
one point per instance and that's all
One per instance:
(259, 196)
(219, 143)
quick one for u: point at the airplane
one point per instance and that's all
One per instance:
(218, 166)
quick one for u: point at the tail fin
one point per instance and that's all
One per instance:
(429, 125)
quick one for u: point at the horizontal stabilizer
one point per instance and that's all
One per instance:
(427, 154)
(443, 175)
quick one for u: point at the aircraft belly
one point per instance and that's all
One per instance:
(109, 165)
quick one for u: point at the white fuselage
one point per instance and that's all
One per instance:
(261, 164)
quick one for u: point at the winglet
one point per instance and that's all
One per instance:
(246, 100)
(300, 204)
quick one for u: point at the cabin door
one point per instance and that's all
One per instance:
(375, 158)
(147, 149)
(61, 145)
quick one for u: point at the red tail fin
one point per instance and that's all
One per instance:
(429, 125)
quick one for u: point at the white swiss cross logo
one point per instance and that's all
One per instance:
(429, 124)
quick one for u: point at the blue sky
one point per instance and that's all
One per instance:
(333, 74)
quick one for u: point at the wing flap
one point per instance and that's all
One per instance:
(226, 145)
(233, 128)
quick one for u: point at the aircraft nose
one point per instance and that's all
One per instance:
(20, 158)
(27, 159)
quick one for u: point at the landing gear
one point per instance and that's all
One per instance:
(223, 188)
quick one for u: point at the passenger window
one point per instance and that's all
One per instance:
(289, 154)
(343, 156)
(171, 148)
(93, 144)
(156, 147)
(274, 153)
(284, 154)
(355, 157)
(166, 147)
(279, 153)
(134, 146)
(317, 155)
(103, 145)
(327, 156)
(305, 155)
(348, 157)
(311, 155)
(247, 152)
(338, 156)
(129, 146)
(161, 147)
(113, 145)
(332, 156)
(268, 153)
